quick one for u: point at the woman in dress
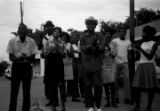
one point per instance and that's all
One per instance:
(145, 75)
(55, 68)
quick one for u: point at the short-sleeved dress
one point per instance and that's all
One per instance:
(54, 69)
(145, 75)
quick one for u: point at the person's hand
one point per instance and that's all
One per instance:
(137, 46)
(52, 49)
(24, 57)
(42, 55)
(18, 55)
(91, 49)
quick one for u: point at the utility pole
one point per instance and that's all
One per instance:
(132, 35)
(21, 11)
(132, 53)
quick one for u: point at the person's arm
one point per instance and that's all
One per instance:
(152, 53)
(60, 49)
(100, 45)
(29, 58)
(13, 55)
(14, 58)
(70, 51)
(113, 49)
(43, 49)
(83, 45)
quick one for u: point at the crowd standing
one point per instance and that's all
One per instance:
(81, 65)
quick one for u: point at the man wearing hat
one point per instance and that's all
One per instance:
(47, 36)
(92, 47)
(21, 50)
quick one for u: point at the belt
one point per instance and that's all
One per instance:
(22, 62)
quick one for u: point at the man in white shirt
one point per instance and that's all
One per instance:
(122, 64)
(21, 50)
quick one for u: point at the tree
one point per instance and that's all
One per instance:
(113, 26)
(37, 36)
(143, 15)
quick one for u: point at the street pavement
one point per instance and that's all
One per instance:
(38, 100)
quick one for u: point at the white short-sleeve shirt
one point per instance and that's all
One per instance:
(122, 46)
(28, 47)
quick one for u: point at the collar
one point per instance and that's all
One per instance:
(87, 33)
(48, 37)
(18, 39)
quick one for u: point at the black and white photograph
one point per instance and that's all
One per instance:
(80, 55)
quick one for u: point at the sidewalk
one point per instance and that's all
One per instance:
(38, 99)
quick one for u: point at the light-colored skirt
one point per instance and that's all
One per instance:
(109, 73)
(145, 76)
(68, 69)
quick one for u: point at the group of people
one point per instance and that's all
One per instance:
(81, 65)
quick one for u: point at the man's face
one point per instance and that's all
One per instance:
(49, 29)
(107, 36)
(122, 33)
(22, 32)
(74, 38)
(90, 27)
(144, 35)
(56, 33)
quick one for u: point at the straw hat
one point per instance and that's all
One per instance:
(91, 20)
(49, 23)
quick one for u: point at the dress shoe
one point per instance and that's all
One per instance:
(114, 105)
(107, 105)
(63, 110)
(68, 95)
(99, 109)
(48, 104)
(117, 100)
(128, 101)
(137, 109)
(75, 99)
(54, 108)
(91, 109)
(148, 109)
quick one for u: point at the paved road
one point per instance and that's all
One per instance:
(37, 93)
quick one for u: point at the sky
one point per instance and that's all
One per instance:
(64, 13)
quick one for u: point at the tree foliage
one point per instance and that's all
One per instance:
(112, 26)
(37, 36)
(145, 15)
(142, 16)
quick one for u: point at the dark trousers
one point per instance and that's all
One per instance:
(93, 80)
(53, 94)
(77, 83)
(110, 92)
(46, 90)
(73, 88)
(21, 72)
